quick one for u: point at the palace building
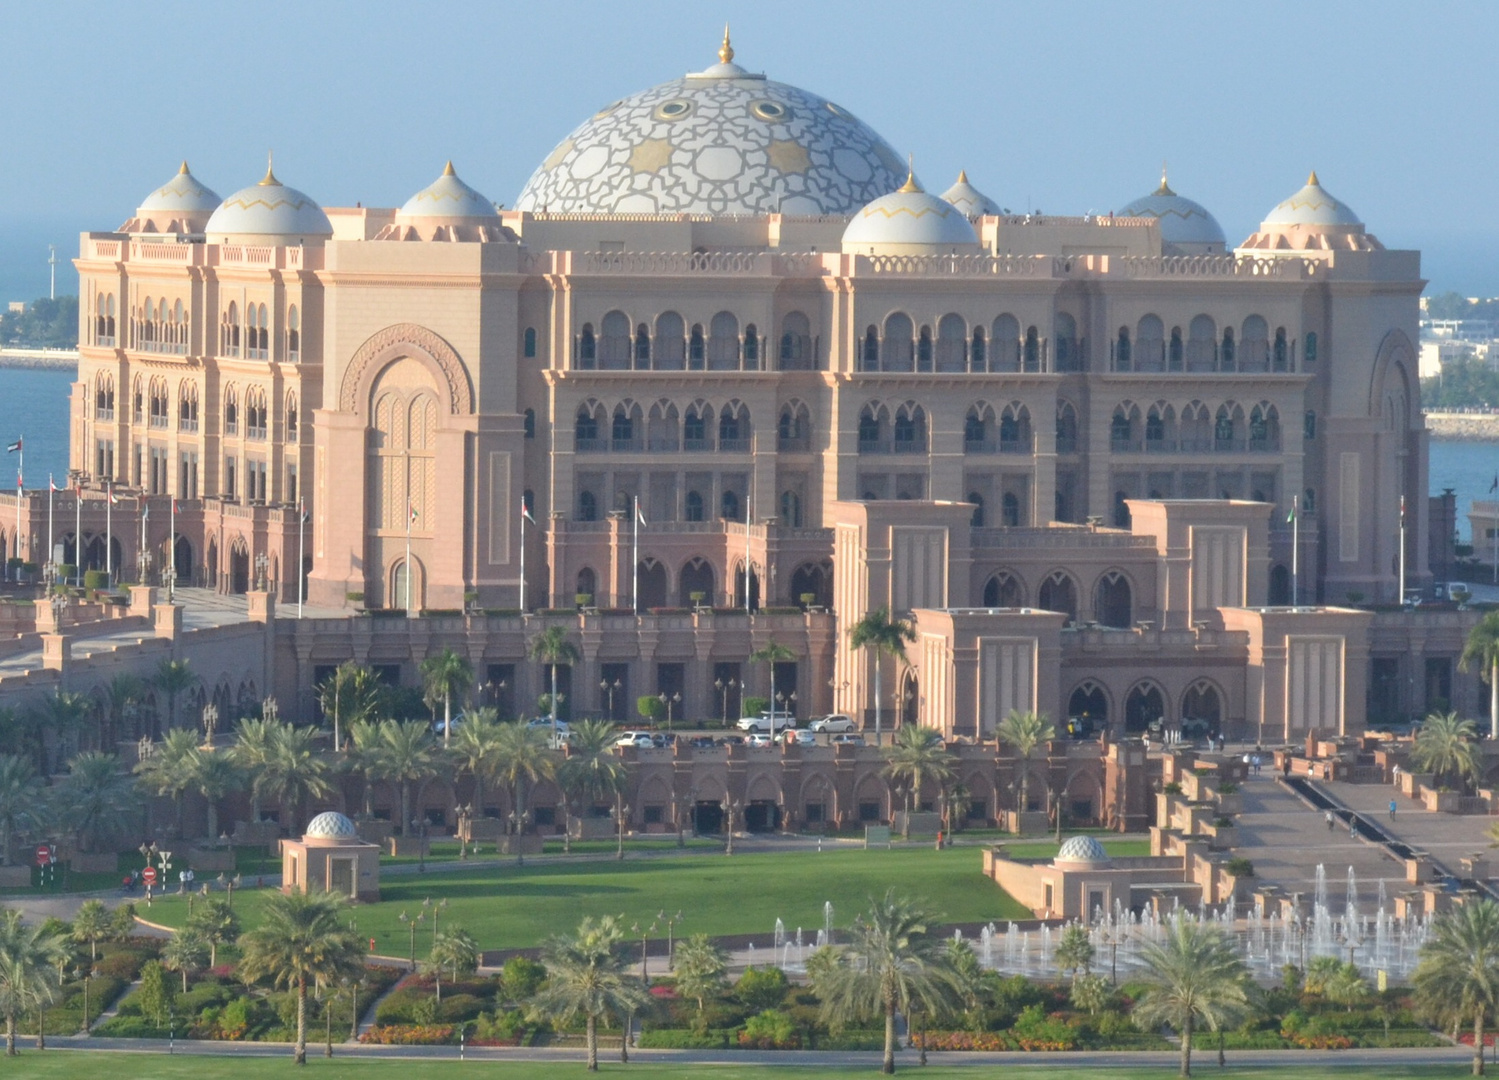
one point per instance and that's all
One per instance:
(731, 356)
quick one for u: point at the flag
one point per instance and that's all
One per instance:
(302, 511)
(639, 513)
(145, 510)
(114, 500)
(412, 508)
(1291, 517)
(1495, 485)
(1402, 511)
(525, 512)
(51, 483)
(174, 504)
(13, 447)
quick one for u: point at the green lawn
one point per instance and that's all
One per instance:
(159, 1066)
(505, 906)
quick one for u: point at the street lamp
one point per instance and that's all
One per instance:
(669, 920)
(607, 687)
(724, 687)
(411, 923)
(644, 932)
(674, 699)
(730, 807)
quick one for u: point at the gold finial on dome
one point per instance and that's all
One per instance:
(183, 171)
(270, 175)
(910, 185)
(962, 176)
(1312, 181)
(1165, 188)
(449, 170)
(725, 51)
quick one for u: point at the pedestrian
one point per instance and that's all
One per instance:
(1352, 828)
(1395, 773)
(1392, 809)
(1328, 815)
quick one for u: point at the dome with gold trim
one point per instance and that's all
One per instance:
(268, 212)
(1186, 226)
(720, 141)
(1312, 219)
(969, 199)
(909, 221)
(182, 205)
(447, 197)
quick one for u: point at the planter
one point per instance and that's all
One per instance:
(374, 830)
(522, 845)
(592, 828)
(480, 828)
(407, 846)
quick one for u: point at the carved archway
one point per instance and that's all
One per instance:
(393, 343)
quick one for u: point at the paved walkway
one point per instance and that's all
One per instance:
(1446, 837)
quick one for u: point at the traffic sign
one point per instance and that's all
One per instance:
(43, 854)
(148, 875)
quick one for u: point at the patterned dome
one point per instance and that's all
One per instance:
(969, 199)
(909, 219)
(1183, 222)
(448, 197)
(1083, 849)
(722, 141)
(269, 210)
(181, 195)
(1312, 205)
(331, 825)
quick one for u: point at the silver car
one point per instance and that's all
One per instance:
(835, 724)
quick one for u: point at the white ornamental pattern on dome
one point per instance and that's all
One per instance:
(716, 146)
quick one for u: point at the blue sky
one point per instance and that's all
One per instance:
(1065, 107)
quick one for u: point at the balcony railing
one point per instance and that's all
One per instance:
(793, 444)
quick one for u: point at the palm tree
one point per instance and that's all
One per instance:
(63, 714)
(214, 775)
(1023, 731)
(254, 743)
(552, 648)
(1194, 973)
(586, 975)
(917, 756)
(1458, 976)
(96, 800)
(523, 759)
(21, 805)
(351, 692)
(168, 771)
(592, 772)
(92, 925)
(302, 938)
(455, 951)
(173, 677)
(893, 963)
(407, 756)
(30, 959)
(1446, 746)
(884, 636)
(444, 675)
(1482, 648)
(187, 951)
(366, 756)
(215, 922)
(700, 969)
(123, 694)
(770, 655)
(294, 772)
(1074, 952)
(476, 750)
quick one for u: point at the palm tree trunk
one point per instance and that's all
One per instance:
(405, 808)
(593, 1043)
(184, 980)
(437, 981)
(213, 820)
(1186, 1068)
(877, 659)
(10, 1034)
(624, 1038)
(41, 1033)
(888, 1066)
(5, 843)
(301, 1051)
(1478, 1042)
(1494, 699)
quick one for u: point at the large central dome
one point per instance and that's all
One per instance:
(722, 141)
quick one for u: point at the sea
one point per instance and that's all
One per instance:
(34, 407)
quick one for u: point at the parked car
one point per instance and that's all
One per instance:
(847, 738)
(769, 723)
(759, 739)
(701, 742)
(546, 722)
(437, 725)
(799, 738)
(641, 740)
(831, 724)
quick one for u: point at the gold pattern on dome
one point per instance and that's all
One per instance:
(607, 109)
(789, 156)
(650, 155)
(890, 212)
(555, 157)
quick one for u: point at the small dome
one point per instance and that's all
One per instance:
(182, 195)
(269, 211)
(448, 197)
(1184, 223)
(969, 199)
(907, 219)
(1082, 849)
(1312, 205)
(331, 825)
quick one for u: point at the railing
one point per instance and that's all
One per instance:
(697, 446)
(1014, 446)
(591, 446)
(669, 262)
(187, 425)
(980, 446)
(1057, 536)
(1160, 446)
(626, 446)
(659, 444)
(908, 446)
(1119, 445)
(733, 446)
(952, 265)
(793, 444)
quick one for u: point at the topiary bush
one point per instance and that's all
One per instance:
(762, 988)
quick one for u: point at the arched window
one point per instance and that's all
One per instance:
(1089, 702)
(230, 334)
(622, 430)
(1202, 337)
(614, 342)
(751, 348)
(1282, 354)
(587, 429)
(1202, 704)
(794, 429)
(1122, 350)
(291, 416)
(1155, 428)
(695, 428)
(870, 359)
(587, 347)
(1004, 355)
(791, 509)
(696, 349)
(138, 401)
(1032, 349)
(293, 334)
(1112, 601)
(528, 342)
(976, 430)
(1224, 435)
(530, 422)
(1226, 353)
(1058, 594)
(730, 506)
(897, 351)
(723, 342)
(1002, 590)
(977, 353)
(1150, 344)
(910, 429)
(1066, 428)
(671, 342)
(1176, 352)
(796, 342)
(1121, 430)
(642, 347)
(1254, 344)
(1309, 350)
(1064, 335)
(588, 506)
(1010, 510)
(1144, 708)
(977, 521)
(870, 435)
(952, 342)
(693, 506)
(255, 413)
(104, 396)
(924, 350)
(587, 586)
(733, 428)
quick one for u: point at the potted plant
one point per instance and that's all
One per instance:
(583, 599)
(697, 597)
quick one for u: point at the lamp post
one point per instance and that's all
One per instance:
(411, 922)
(644, 932)
(669, 702)
(723, 687)
(669, 920)
(729, 809)
(623, 815)
(437, 910)
(608, 688)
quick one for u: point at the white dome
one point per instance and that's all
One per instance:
(909, 218)
(1184, 223)
(331, 825)
(1082, 849)
(448, 197)
(969, 199)
(269, 210)
(1312, 205)
(182, 196)
(722, 141)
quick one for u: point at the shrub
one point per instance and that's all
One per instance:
(521, 978)
(754, 706)
(1239, 866)
(762, 988)
(678, 1039)
(503, 1028)
(411, 1035)
(95, 579)
(458, 1008)
(770, 1030)
(1035, 1030)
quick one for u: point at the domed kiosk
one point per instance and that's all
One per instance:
(908, 221)
(331, 857)
(182, 205)
(268, 213)
(1186, 226)
(722, 141)
(446, 209)
(970, 200)
(1312, 219)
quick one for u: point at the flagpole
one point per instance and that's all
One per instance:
(749, 515)
(78, 533)
(172, 552)
(635, 558)
(51, 490)
(408, 559)
(145, 516)
(523, 555)
(1295, 552)
(109, 562)
(20, 473)
(1402, 550)
(301, 555)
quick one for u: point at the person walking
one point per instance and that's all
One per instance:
(1330, 822)
(1392, 809)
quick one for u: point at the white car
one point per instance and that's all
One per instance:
(759, 739)
(799, 738)
(641, 740)
(832, 725)
(768, 723)
(847, 738)
(546, 722)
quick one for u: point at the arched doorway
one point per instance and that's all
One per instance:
(910, 700)
(1144, 706)
(1087, 708)
(400, 598)
(1280, 586)
(1059, 594)
(401, 471)
(696, 583)
(1111, 601)
(812, 579)
(1002, 590)
(1202, 707)
(239, 567)
(182, 560)
(754, 588)
(211, 565)
(652, 577)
